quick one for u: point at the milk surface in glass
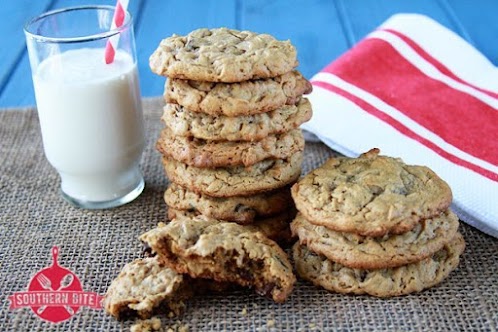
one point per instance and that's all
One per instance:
(92, 127)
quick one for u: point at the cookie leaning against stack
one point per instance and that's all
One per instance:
(208, 249)
(374, 225)
(194, 255)
(231, 144)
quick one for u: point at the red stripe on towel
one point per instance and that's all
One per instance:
(367, 107)
(457, 117)
(433, 61)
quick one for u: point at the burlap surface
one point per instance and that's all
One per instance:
(96, 244)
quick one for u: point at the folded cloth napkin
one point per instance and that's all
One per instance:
(417, 91)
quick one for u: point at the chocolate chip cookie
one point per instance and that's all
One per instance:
(361, 252)
(223, 55)
(401, 280)
(235, 99)
(239, 209)
(223, 251)
(144, 287)
(264, 176)
(183, 122)
(208, 154)
(371, 195)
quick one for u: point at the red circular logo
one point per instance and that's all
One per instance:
(55, 293)
(55, 279)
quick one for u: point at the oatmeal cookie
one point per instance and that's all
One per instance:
(371, 195)
(208, 154)
(223, 55)
(239, 209)
(183, 122)
(276, 228)
(235, 99)
(223, 251)
(143, 288)
(361, 252)
(264, 176)
(401, 280)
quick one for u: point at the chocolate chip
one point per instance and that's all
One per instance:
(147, 251)
(246, 275)
(126, 313)
(266, 289)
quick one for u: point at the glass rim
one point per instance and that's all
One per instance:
(96, 36)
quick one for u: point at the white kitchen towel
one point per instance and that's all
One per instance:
(417, 91)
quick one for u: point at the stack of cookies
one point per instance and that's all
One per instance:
(232, 144)
(374, 225)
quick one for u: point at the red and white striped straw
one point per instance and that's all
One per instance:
(117, 21)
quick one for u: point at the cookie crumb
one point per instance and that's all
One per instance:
(311, 325)
(147, 325)
(178, 327)
(270, 323)
(244, 311)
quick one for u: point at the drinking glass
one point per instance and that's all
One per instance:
(90, 112)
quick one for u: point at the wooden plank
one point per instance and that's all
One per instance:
(15, 14)
(133, 6)
(163, 18)
(473, 21)
(321, 30)
(152, 23)
(364, 18)
(314, 27)
(18, 90)
(479, 22)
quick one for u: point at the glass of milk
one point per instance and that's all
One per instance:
(90, 112)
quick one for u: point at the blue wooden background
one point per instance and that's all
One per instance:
(321, 29)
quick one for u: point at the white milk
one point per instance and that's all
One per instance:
(91, 120)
